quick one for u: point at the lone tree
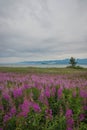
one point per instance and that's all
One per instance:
(72, 62)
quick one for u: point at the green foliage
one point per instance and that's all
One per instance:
(55, 105)
(35, 120)
(83, 126)
(11, 125)
(28, 91)
(5, 104)
(18, 101)
(78, 67)
(20, 123)
(32, 121)
(58, 123)
(38, 70)
(72, 62)
(35, 92)
(38, 120)
(1, 119)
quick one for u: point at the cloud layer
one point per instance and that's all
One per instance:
(42, 29)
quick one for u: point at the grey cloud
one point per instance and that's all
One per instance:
(33, 28)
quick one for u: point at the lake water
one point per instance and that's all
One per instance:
(41, 66)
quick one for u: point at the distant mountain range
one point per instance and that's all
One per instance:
(48, 62)
(53, 62)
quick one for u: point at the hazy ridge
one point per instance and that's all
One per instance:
(54, 62)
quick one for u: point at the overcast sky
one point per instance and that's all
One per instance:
(42, 29)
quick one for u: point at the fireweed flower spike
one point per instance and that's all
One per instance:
(49, 114)
(59, 93)
(49, 104)
(69, 119)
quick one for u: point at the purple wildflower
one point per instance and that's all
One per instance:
(48, 113)
(1, 107)
(59, 93)
(68, 113)
(85, 107)
(6, 118)
(53, 91)
(47, 93)
(69, 119)
(17, 92)
(6, 96)
(13, 111)
(69, 128)
(25, 108)
(1, 128)
(83, 93)
(26, 86)
(36, 107)
(81, 117)
(1, 88)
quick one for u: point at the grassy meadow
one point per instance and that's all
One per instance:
(42, 70)
(43, 98)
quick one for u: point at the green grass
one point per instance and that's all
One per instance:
(42, 70)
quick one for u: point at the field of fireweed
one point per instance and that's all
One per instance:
(42, 101)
